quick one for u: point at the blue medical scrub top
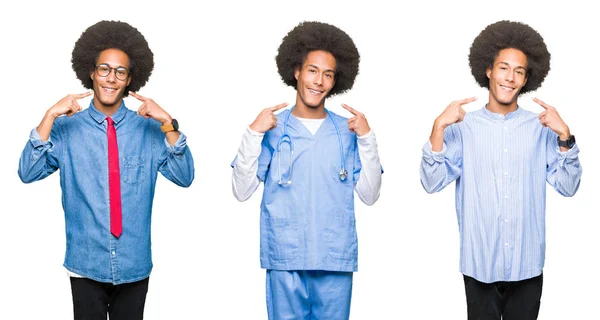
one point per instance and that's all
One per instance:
(309, 224)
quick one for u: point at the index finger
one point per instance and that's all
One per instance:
(277, 107)
(465, 101)
(81, 95)
(541, 103)
(350, 109)
(137, 96)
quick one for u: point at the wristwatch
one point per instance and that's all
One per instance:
(569, 143)
(173, 126)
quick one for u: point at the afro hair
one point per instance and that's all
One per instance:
(311, 36)
(113, 35)
(509, 34)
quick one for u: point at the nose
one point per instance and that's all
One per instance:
(510, 76)
(318, 80)
(112, 75)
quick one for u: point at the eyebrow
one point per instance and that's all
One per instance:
(104, 63)
(506, 63)
(316, 67)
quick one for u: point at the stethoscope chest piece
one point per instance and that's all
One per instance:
(343, 174)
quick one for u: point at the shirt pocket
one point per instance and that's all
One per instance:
(133, 169)
(282, 235)
(340, 236)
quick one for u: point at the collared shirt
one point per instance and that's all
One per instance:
(78, 147)
(501, 165)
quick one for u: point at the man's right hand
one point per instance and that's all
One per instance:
(67, 105)
(454, 113)
(266, 119)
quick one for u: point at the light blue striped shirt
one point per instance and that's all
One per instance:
(501, 165)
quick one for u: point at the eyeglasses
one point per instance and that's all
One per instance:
(104, 70)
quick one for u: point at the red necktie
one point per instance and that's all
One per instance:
(114, 179)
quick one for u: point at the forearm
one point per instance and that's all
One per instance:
(368, 186)
(172, 137)
(437, 137)
(564, 175)
(35, 163)
(436, 170)
(178, 166)
(244, 177)
(45, 126)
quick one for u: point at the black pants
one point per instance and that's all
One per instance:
(506, 300)
(92, 300)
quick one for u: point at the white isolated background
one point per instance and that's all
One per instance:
(215, 71)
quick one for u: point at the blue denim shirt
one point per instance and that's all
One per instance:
(78, 147)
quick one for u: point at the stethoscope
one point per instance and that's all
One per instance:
(285, 138)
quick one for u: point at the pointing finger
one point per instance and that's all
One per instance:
(81, 95)
(137, 96)
(541, 103)
(465, 101)
(350, 109)
(277, 107)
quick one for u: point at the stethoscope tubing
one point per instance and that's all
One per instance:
(285, 137)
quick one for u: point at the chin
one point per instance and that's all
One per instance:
(316, 104)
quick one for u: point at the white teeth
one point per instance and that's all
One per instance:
(314, 92)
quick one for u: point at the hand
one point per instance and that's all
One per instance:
(550, 118)
(358, 123)
(67, 105)
(149, 109)
(454, 113)
(266, 119)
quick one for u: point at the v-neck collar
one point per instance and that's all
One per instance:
(304, 130)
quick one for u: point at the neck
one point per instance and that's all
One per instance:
(496, 107)
(303, 111)
(107, 110)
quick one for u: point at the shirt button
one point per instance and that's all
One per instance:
(506, 220)
(505, 150)
(505, 197)
(506, 173)
(505, 128)
(506, 244)
(113, 253)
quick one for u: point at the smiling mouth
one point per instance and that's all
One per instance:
(315, 92)
(109, 90)
(505, 88)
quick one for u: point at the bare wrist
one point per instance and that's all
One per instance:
(565, 134)
(51, 115)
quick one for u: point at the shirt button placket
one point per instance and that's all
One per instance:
(114, 261)
(506, 204)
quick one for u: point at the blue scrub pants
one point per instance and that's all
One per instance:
(308, 295)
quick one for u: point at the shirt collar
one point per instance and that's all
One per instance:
(500, 116)
(100, 117)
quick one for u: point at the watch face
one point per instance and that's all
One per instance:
(175, 124)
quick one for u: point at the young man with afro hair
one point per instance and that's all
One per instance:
(501, 157)
(109, 158)
(310, 160)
